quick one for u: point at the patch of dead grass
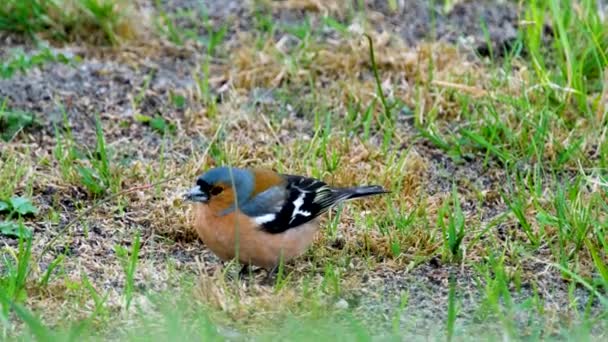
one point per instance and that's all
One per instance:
(325, 7)
(342, 69)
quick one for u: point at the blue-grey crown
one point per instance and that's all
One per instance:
(241, 179)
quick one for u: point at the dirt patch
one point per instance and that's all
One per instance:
(477, 25)
(463, 24)
(106, 86)
(417, 300)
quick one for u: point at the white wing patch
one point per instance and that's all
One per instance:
(297, 204)
(264, 218)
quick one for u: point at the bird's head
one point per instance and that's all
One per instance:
(220, 185)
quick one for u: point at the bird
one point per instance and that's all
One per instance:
(261, 217)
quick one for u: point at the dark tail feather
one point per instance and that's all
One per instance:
(360, 191)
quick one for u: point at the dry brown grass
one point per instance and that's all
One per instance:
(330, 7)
(343, 69)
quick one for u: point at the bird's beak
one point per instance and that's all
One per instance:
(196, 195)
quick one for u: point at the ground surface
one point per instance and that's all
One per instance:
(262, 99)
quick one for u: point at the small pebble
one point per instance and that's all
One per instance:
(342, 304)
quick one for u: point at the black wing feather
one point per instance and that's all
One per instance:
(308, 198)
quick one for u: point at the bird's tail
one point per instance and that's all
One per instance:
(346, 194)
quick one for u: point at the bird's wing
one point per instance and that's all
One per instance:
(305, 199)
(264, 206)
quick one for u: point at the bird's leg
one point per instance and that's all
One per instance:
(270, 274)
(244, 271)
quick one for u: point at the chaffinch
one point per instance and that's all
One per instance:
(261, 217)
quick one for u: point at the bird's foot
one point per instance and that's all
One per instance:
(245, 270)
(271, 276)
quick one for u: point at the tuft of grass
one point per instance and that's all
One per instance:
(91, 169)
(28, 16)
(196, 26)
(35, 325)
(13, 278)
(454, 229)
(22, 62)
(128, 261)
(13, 208)
(12, 122)
(497, 299)
(157, 123)
(517, 201)
(97, 177)
(100, 310)
(452, 309)
(57, 262)
(97, 21)
(598, 262)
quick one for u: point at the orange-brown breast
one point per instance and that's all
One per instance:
(236, 234)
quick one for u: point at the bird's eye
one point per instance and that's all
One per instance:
(216, 190)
